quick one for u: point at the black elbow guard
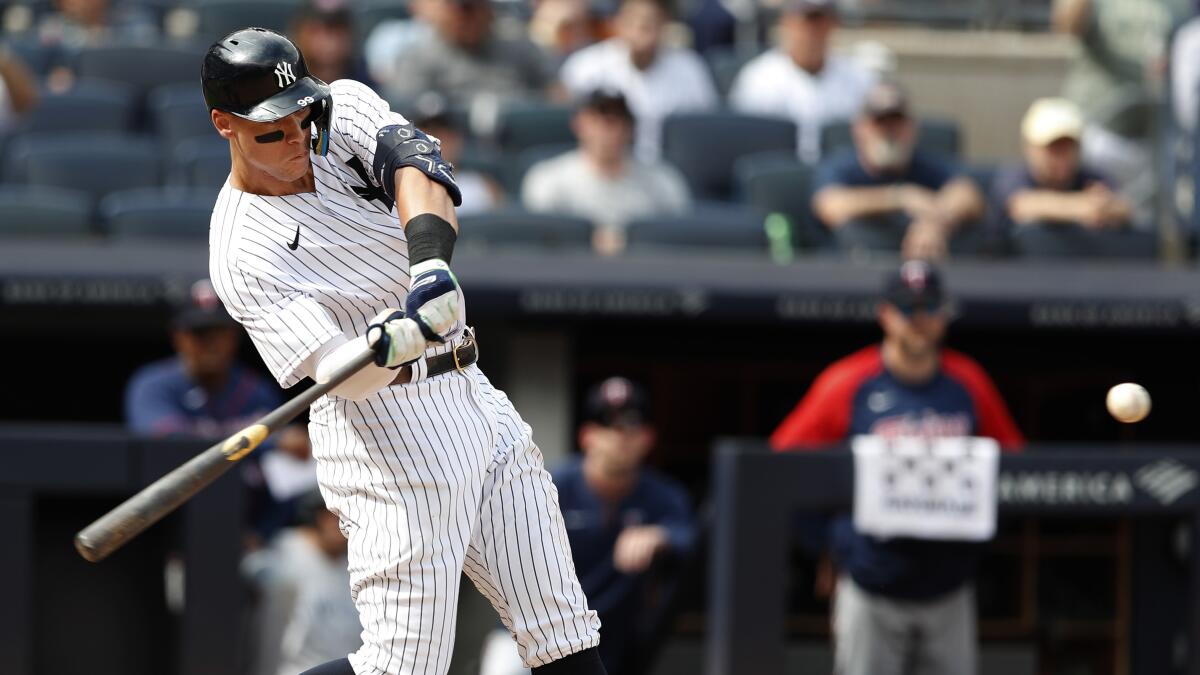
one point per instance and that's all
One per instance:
(400, 145)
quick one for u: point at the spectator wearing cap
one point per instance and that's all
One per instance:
(464, 57)
(203, 392)
(1052, 187)
(885, 194)
(902, 605)
(304, 615)
(656, 79)
(323, 30)
(79, 24)
(480, 192)
(800, 79)
(601, 180)
(620, 517)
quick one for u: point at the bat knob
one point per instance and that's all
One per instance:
(87, 548)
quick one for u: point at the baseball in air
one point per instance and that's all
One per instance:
(1128, 402)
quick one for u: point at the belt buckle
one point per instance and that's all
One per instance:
(467, 341)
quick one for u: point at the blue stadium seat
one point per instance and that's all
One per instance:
(724, 228)
(201, 162)
(1071, 241)
(218, 18)
(167, 213)
(725, 63)
(523, 126)
(90, 105)
(781, 183)
(37, 211)
(36, 56)
(178, 112)
(519, 229)
(142, 67)
(94, 163)
(514, 172)
(704, 146)
(936, 135)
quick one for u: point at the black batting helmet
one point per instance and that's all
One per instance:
(259, 75)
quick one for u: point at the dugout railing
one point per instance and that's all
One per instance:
(756, 493)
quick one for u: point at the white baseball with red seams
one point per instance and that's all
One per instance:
(429, 479)
(1128, 402)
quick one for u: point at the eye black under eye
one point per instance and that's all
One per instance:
(270, 137)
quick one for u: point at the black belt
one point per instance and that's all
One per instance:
(463, 355)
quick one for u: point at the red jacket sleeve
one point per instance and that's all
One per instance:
(994, 418)
(823, 416)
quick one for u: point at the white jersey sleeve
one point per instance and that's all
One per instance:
(358, 114)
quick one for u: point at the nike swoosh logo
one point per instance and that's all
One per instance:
(295, 242)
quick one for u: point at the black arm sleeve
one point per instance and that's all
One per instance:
(399, 145)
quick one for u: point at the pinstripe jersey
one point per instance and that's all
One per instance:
(428, 479)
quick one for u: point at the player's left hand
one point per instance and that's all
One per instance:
(429, 298)
(636, 547)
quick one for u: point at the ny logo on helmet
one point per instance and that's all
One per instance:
(283, 73)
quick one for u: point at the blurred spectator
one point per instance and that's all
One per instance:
(1117, 76)
(91, 23)
(1185, 75)
(801, 80)
(1053, 186)
(203, 392)
(620, 518)
(902, 605)
(18, 89)
(479, 191)
(305, 613)
(323, 30)
(601, 180)
(561, 28)
(464, 57)
(657, 80)
(885, 193)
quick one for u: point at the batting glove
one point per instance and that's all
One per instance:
(395, 339)
(433, 299)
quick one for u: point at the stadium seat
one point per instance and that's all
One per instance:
(1070, 241)
(523, 126)
(170, 213)
(727, 228)
(725, 63)
(143, 67)
(178, 112)
(36, 211)
(514, 172)
(94, 163)
(704, 146)
(780, 183)
(519, 229)
(936, 136)
(218, 18)
(88, 106)
(371, 13)
(200, 162)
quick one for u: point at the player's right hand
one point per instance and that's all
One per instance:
(396, 340)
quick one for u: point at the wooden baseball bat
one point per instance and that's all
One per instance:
(129, 519)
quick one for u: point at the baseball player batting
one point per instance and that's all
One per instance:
(334, 233)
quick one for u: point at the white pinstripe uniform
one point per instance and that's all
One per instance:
(428, 478)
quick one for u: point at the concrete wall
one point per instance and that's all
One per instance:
(985, 80)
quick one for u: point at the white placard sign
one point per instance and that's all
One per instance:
(938, 488)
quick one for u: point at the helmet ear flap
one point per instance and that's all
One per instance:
(319, 115)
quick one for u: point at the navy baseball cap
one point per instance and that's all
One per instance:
(605, 102)
(914, 286)
(617, 402)
(201, 310)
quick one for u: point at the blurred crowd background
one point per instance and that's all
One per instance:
(790, 132)
(788, 129)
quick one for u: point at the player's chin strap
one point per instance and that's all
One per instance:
(320, 117)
